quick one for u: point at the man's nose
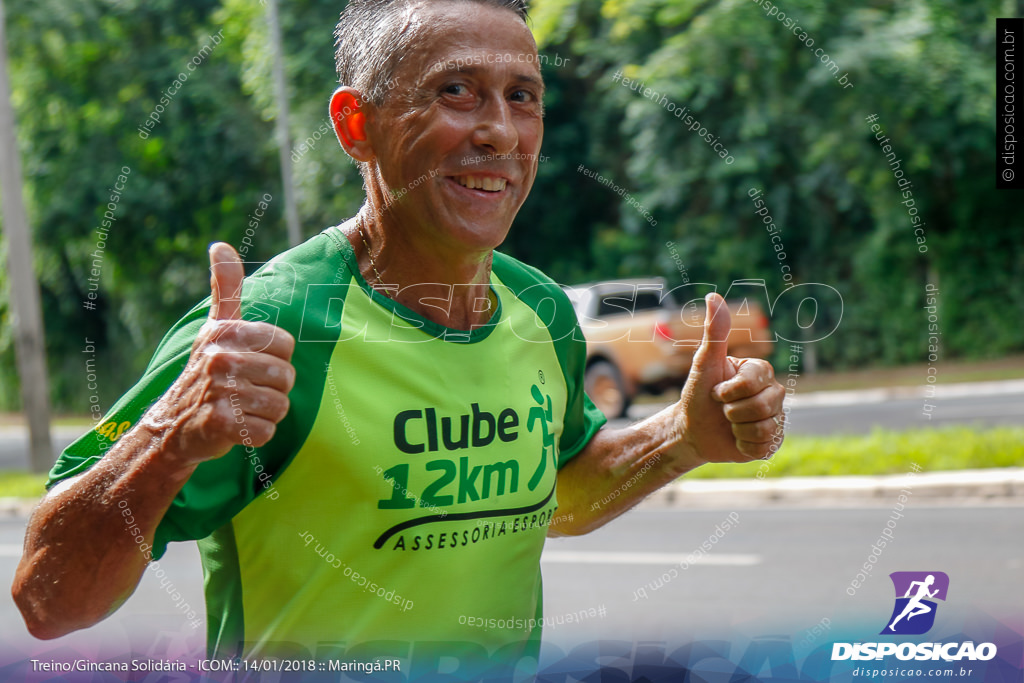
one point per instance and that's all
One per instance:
(496, 129)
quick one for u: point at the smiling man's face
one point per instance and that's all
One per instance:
(457, 140)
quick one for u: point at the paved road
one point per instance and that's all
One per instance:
(775, 571)
(150, 618)
(861, 418)
(14, 444)
(859, 413)
(779, 570)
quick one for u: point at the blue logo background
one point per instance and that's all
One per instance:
(915, 608)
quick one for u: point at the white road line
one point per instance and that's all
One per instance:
(582, 557)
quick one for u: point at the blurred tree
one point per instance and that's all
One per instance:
(88, 73)
(796, 132)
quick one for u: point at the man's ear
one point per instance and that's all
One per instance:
(349, 123)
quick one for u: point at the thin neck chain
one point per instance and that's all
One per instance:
(386, 290)
(381, 287)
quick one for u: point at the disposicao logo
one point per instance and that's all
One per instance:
(919, 590)
(914, 614)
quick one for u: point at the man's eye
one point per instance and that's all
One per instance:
(455, 89)
(523, 96)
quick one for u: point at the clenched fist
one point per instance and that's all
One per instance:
(236, 383)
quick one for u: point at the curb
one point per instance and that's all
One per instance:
(999, 486)
(996, 486)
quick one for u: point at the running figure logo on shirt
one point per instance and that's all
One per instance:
(914, 612)
(541, 413)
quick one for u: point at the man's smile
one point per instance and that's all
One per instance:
(481, 185)
(481, 182)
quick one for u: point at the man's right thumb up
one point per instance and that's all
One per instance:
(226, 278)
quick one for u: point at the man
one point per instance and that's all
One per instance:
(370, 443)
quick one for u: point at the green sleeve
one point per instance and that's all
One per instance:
(215, 489)
(582, 418)
(220, 488)
(163, 369)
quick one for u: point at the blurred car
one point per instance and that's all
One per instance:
(639, 339)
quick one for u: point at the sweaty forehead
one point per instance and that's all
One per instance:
(444, 31)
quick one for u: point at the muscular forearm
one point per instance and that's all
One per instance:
(83, 553)
(617, 469)
(730, 410)
(86, 544)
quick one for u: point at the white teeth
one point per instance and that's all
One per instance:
(482, 183)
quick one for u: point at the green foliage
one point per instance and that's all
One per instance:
(885, 452)
(87, 73)
(923, 67)
(881, 452)
(22, 484)
(86, 76)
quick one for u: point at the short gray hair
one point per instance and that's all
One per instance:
(370, 38)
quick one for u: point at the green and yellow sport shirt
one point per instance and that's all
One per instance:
(405, 497)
